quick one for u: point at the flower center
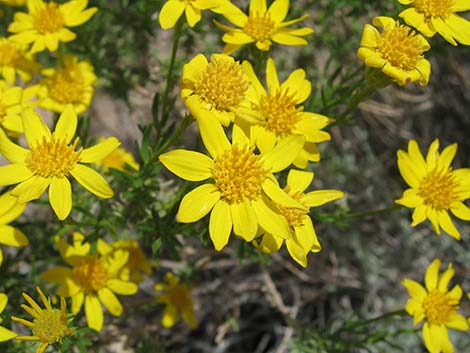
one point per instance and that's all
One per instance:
(280, 113)
(53, 158)
(434, 8)
(260, 27)
(179, 297)
(293, 216)
(9, 55)
(66, 85)
(50, 326)
(400, 46)
(91, 274)
(49, 19)
(222, 85)
(438, 189)
(238, 174)
(438, 306)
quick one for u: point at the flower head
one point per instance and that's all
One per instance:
(437, 306)
(46, 23)
(10, 209)
(177, 297)
(92, 279)
(11, 107)
(119, 159)
(439, 16)
(49, 325)
(173, 9)
(71, 83)
(397, 51)
(51, 159)
(218, 88)
(137, 264)
(276, 113)
(262, 26)
(435, 188)
(242, 188)
(302, 238)
(5, 334)
(14, 60)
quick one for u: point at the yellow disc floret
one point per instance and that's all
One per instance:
(434, 8)
(50, 326)
(53, 158)
(66, 85)
(438, 189)
(9, 55)
(238, 174)
(400, 46)
(49, 19)
(279, 112)
(438, 307)
(260, 27)
(293, 216)
(91, 274)
(222, 85)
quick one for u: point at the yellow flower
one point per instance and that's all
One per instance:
(262, 26)
(173, 9)
(10, 209)
(11, 107)
(15, 60)
(431, 16)
(177, 298)
(93, 280)
(49, 325)
(71, 83)
(5, 334)
(241, 189)
(119, 159)
(136, 265)
(276, 113)
(435, 189)
(397, 51)
(51, 159)
(45, 24)
(218, 88)
(302, 237)
(437, 306)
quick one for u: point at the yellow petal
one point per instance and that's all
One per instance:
(445, 278)
(320, 197)
(447, 225)
(30, 189)
(410, 199)
(446, 157)
(93, 312)
(299, 180)
(188, 165)
(419, 215)
(279, 196)
(270, 219)
(3, 301)
(431, 276)
(193, 15)
(11, 151)
(415, 309)
(213, 136)
(77, 302)
(269, 244)
(66, 125)
(297, 252)
(92, 181)
(10, 208)
(306, 237)
(415, 290)
(432, 338)
(110, 301)
(457, 321)
(245, 224)
(220, 225)
(298, 87)
(13, 174)
(281, 156)
(99, 151)
(198, 203)
(60, 197)
(57, 274)
(257, 7)
(122, 287)
(170, 13)
(271, 76)
(12, 237)
(35, 130)
(460, 210)
(6, 335)
(170, 316)
(370, 37)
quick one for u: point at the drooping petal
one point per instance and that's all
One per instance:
(60, 197)
(77, 302)
(245, 223)
(198, 203)
(93, 312)
(220, 224)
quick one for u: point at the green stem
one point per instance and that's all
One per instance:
(184, 123)
(372, 213)
(401, 312)
(170, 79)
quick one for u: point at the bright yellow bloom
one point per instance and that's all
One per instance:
(51, 159)
(93, 280)
(137, 264)
(49, 325)
(71, 83)
(173, 9)
(262, 26)
(277, 113)
(15, 60)
(431, 16)
(437, 306)
(435, 189)
(11, 107)
(177, 297)
(14, 2)
(10, 209)
(302, 237)
(46, 23)
(242, 188)
(119, 159)
(397, 51)
(218, 88)
(5, 334)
